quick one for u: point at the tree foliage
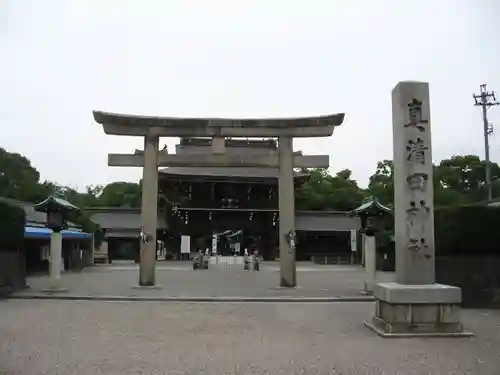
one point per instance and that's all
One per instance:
(465, 177)
(20, 180)
(323, 191)
(381, 182)
(120, 194)
(457, 180)
(17, 176)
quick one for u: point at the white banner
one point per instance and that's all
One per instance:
(214, 244)
(185, 244)
(354, 237)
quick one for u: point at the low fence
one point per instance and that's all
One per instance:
(226, 261)
(342, 258)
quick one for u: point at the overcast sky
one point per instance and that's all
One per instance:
(59, 60)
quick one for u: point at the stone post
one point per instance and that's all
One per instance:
(370, 263)
(149, 212)
(414, 305)
(55, 263)
(218, 145)
(88, 255)
(363, 256)
(286, 213)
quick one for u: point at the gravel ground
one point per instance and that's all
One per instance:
(88, 337)
(179, 280)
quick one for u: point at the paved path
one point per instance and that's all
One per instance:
(93, 338)
(179, 280)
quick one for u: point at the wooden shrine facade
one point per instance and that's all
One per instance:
(203, 201)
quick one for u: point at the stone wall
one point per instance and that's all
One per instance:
(12, 272)
(478, 276)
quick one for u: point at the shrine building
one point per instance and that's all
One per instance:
(228, 209)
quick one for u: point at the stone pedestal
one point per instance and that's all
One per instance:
(90, 258)
(370, 263)
(55, 285)
(363, 250)
(417, 310)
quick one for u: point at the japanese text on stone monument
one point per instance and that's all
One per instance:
(415, 119)
(418, 212)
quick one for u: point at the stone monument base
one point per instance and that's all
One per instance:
(417, 310)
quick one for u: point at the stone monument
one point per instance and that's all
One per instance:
(414, 305)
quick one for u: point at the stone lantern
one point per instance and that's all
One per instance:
(57, 210)
(371, 213)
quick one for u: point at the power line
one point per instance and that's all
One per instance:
(485, 100)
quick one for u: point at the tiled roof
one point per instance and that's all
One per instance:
(122, 219)
(226, 172)
(371, 206)
(32, 216)
(122, 222)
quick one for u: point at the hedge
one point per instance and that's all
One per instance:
(12, 222)
(467, 230)
(472, 230)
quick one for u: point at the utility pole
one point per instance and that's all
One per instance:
(486, 100)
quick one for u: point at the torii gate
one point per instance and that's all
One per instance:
(151, 128)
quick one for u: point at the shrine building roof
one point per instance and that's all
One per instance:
(259, 173)
(234, 146)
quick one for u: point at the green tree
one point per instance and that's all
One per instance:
(18, 178)
(42, 191)
(465, 175)
(92, 195)
(120, 194)
(457, 180)
(381, 183)
(323, 191)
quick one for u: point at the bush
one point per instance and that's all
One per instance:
(12, 222)
(467, 230)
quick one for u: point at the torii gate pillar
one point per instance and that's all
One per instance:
(149, 212)
(286, 196)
